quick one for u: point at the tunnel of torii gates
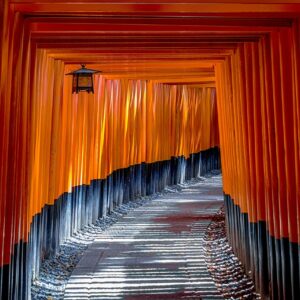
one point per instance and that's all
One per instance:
(180, 81)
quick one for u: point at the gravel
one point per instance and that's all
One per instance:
(225, 268)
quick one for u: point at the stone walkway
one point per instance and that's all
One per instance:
(154, 252)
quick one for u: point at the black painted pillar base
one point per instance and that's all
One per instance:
(273, 263)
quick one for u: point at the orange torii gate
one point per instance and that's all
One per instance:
(156, 101)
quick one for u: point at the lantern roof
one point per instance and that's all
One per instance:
(83, 70)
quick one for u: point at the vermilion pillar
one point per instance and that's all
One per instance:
(260, 154)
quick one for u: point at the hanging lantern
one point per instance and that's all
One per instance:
(83, 80)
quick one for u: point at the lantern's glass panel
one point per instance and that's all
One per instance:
(85, 81)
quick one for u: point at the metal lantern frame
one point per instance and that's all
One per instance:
(83, 80)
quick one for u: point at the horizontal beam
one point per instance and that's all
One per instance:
(105, 8)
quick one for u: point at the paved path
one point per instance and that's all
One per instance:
(154, 252)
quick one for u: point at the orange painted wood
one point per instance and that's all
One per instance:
(51, 140)
(262, 100)
(72, 139)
